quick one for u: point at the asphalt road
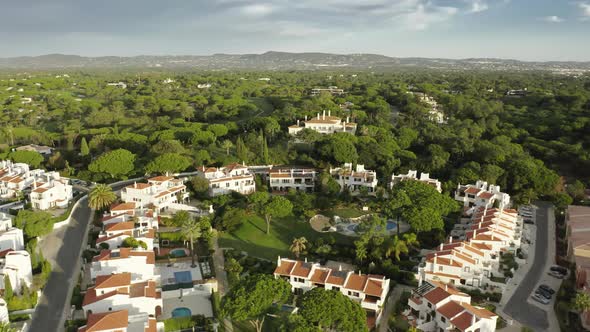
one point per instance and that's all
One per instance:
(518, 307)
(49, 314)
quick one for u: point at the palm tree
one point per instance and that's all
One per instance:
(227, 144)
(298, 246)
(191, 230)
(395, 246)
(411, 240)
(101, 197)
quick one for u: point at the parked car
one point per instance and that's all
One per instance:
(540, 299)
(543, 293)
(529, 221)
(559, 269)
(547, 289)
(556, 274)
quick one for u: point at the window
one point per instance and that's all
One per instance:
(227, 184)
(336, 289)
(442, 319)
(467, 269)
(430, 305)
(440, 268)
(355, 294)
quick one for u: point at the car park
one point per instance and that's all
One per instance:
(559, 269)
(540, 299)
(544, 293)
(547, 289)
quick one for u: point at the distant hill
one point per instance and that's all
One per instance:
(279, 61)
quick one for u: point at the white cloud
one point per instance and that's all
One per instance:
(423, 16)
(257, 9)
(552, 19)
(478, 6)
(585, 7)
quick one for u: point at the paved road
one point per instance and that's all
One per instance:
(49, 314)
(518, 307)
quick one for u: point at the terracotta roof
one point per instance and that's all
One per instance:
(471, 190)
(106, 321)
(486, 195)
(40, 190)
(161, 178)
(123, 207)
(107, 218)
(143, 289)
(106, 238)
(120, 226)
(285, 268)
(356, 282)
(152, 325)
(445, 275)
(301, 269)
(139, 186)
(450, 309)
(436, 295)
(481, 246)
(463, 321)
(478, 312)
(320, 276)
(105, 255)
(4, 252)
(92, 297)
(337, 278)
(446, 261)
(113, 280)
(374, 287)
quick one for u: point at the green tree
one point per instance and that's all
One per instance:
(191, 231)
(5, 327)
(84, 149)
(581, 302)
(242, 151)
(298, 246)
(200, 186)
(254, 297)
(32, 158)
(265, 157)
(276, 206)
(8, 292)
(101, 197)
(134, 243)
(227, 145)
(394, 246)
(116, 163)
(411, 240)
(332, 311)
(34, 223)
(168, 162)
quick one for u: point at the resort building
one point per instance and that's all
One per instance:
(10, 237)
(50, 191)
(41, 149)
(413, 175)
(324, 125)
(160, 193)
(15, 177)
(224, 180)
(16, 266)
(472, 260)
(114, 234)
(435, 113)
(333, 90)
(355, 179)
(482, 194)
(4, 318)
(367, 289)
(117, 292)
(436, 306)
(577, 220)
(122, 321)
(283, 178)
(140, 263)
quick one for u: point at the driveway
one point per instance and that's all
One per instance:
(62, 248)
(518, 307)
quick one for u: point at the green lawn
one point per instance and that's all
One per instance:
(252, 238)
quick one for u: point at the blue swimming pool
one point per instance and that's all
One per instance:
(352, 227)
(391, 226)
(181, 312)
(183, 277)
(180, 252)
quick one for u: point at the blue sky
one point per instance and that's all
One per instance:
(519, 29)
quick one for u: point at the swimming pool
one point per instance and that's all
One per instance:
(391, 226)
(181, 312)
(352, 227)
(179, 252)
(183, 277)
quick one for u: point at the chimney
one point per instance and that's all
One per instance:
(318, 115)
(360, 272)
(279, 261)
(297, 123)
(329, 113)
(324, 115)
(348, 119)
(306, 118)
(446, 287)
(450, 239)
(340, 267)
(441, 246)
(134, 184)
(306, 259)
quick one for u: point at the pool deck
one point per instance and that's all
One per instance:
(198, 300)
(167, 272)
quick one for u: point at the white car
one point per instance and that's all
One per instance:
(540, 299)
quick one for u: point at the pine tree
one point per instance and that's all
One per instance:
(265, 151)
(241, 150)
(8, 293)
(84, 149)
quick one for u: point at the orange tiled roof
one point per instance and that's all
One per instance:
(161, 178)
(106, 321)
(436, 295)
(139, 186)
(356, 282)
(113, 280)
(123, 207)
(120, 226)
(471, 190)
(450, 309)
(320, 276)
(301, 269)
(374, 287)
(285, 268)
(463, 321)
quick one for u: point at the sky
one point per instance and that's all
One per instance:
(538, 30)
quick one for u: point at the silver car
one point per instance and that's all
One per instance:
(540, 299)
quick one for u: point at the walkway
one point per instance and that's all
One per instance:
(221, 275)
(388, 310)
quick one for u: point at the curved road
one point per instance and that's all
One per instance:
(518, 307)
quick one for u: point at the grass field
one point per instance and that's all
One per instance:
(252, 238)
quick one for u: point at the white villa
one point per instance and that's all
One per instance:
(51, 190)
(15, 177)
(161, 193)
(16, 265)
(140, 263)
(115, 233)
(435, 114)
(118, 292)
(223, 180)
(41, 149)
(283, 178)
(324, 125)
(413, 175)
(438, 307)
(481, 194)
(472, 260)
(354, 179)
(368, 290)
(10, 237)
(121, 320)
